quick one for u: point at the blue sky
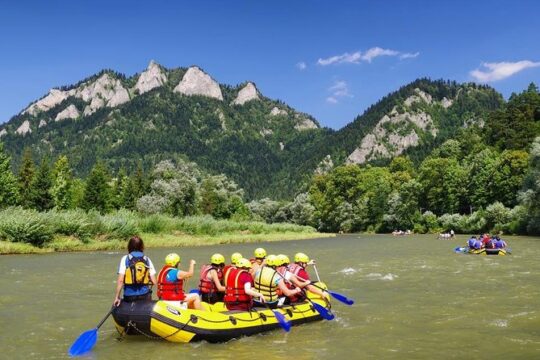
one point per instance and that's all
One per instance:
(331, 59)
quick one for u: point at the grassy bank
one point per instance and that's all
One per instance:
(26, 231)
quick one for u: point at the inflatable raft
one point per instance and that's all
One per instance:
(466, 250)
(168, 320)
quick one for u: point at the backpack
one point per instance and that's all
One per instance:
(137, 271)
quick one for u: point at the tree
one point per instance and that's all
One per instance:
(62, 183)
(97, 192)
(8, 182)
(42, 199)
(443, 187)
(26, 179)
(531, 197)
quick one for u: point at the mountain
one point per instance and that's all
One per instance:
(266, 146)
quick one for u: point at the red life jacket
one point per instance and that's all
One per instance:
(207, 286)
(235, 292)
(169, 290)
(295, 268)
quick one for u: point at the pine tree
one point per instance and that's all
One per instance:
(97, 193)
(129, 196)
(8, 182)
(42, 197)
(62, 183)
(139, 182)
(118, 189)
(27, 174)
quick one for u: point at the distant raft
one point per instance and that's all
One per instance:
(169, 321)
(466, 250)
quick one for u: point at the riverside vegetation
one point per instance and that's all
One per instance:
(479, 173)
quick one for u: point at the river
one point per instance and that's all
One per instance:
(415, 299)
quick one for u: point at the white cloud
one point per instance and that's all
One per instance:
(376, 52)
(339, 89)
(331, 100)
(409, 55)
(301, 65)
(501, 70)
(343, 58)
(368, 56)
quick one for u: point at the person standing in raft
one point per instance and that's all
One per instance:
(136, 274)
(210, 286)
(238, 284)
(268, 281)
(258, 261)
(171, 282)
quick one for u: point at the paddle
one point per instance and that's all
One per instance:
(86, 341)
(327, 315)
(283, 322)
(316, 273)
(339, 297)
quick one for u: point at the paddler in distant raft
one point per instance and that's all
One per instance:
(136, 274)
(267, 282)
(210, 285)
(171, 283)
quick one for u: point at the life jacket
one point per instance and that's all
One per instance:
(169, 290)
(265, 283)
(234, 291)
(471, 243)
(295, 269)
(500, 244)
(207, 286)
(137, 270)
(477, 244)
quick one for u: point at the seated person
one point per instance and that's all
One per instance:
(171, 283)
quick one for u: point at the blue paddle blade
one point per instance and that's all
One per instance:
(285, 324)
(84, 343)
(194, 291)
(341, 298)
(323, 311)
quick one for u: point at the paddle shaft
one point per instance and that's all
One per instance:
(316, 273)
(105, 318)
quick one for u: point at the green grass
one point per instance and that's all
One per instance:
(26, 231)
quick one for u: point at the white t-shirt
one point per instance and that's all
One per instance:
(122, 266)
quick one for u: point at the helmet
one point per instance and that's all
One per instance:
(283, 259)
(243, 263)
(172, 259)
(235, 257)
(271, 260)
(217, 259)
(301, 257)
(259, 253)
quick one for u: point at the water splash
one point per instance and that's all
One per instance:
(348, 271)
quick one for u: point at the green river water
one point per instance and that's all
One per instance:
(415, 299)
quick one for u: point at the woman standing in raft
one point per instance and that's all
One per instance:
(171, 282)
(136, 274)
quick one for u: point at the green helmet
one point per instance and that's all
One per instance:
(272, 260)
(283, 260)
(172, 259)
(217, 259)
(259, 253)
(301, 257)
(243, 264)
(235, 257)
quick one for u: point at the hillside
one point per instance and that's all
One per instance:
(266, 146)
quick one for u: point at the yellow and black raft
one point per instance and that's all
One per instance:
(170, 321)
(484, 251)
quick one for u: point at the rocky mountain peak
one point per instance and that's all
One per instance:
(197, 82)
(247, 93)
(151, 78)
(53, 98)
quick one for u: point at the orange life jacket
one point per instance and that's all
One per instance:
(169, 290)
(207, 286)
(235, 292)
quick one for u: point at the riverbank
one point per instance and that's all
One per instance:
(66, 244)
(27, 232)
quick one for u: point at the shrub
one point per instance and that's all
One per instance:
(28, 226)
(74, 223)
(121, 224)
